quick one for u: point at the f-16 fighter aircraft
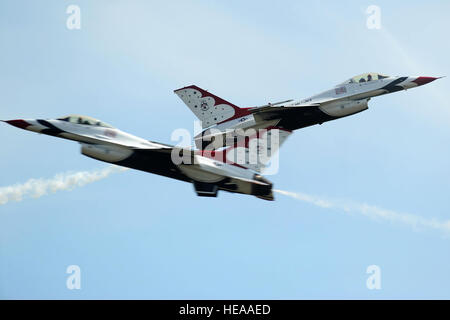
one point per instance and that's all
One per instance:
(221, 120)
(237, 166)
(103, 142)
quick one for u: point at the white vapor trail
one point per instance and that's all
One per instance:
(377, 213)
(37, 188)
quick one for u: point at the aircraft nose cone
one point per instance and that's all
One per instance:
(424, 80)
(19, 123)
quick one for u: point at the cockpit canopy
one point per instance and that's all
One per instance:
(365, 77)
(85, 120)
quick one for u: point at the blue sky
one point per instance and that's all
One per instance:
(137, 235)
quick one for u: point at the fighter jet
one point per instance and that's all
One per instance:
(207, 171)
(236, 166)
(224, 123)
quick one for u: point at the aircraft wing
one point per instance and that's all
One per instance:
(153, 160)
(255, 152)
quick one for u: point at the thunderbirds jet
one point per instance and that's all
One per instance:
(221, 119)
(225, 159)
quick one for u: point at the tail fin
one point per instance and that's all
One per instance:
(209, 108)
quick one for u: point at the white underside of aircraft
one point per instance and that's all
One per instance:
(236, 144)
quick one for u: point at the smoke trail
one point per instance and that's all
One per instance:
(377, 213)
(36, 188)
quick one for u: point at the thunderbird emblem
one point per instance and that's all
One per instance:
(204, 106)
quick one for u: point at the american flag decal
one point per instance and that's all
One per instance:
(110, 133)
(341, 90)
